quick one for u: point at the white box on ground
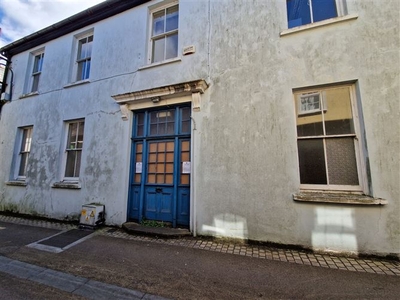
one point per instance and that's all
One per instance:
(92, 215)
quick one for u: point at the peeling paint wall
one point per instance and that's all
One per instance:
(245, 169)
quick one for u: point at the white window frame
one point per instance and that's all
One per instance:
(67, 150)
(358, 147)
(76, 60)
(152, 10)
(31, 74)
(23, 151)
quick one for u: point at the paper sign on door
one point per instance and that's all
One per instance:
(138, 168)
(186, 167)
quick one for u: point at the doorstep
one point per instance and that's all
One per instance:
(162, 232)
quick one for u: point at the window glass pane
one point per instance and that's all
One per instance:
(151, 178)
(161, 157)
(171, 50)
(309, 124)
(23, 164)
(342, 166)
(87, 70)
(185, 126)
(35, 83)
(172, 18)
(323, 9)
(170, 146)
(140, 118)
(185, 113)
(185, 146)
(161, 129)
(70, 166)
(158, 22)
(140, 124)
(81, 71)
(72, 132)
(81, 126)
(169, 178)
(37, 66)
(169, 168)
(158, 50)
(170, 128)
(153, 129)
(312, 161)
(89, 46)
(338, 115)
(298, 12)
(160, 178)
(78, 163)
(152, 168)
(82, 49)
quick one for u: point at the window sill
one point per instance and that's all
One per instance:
(66, 185)
(164, 62)
(16, 183)
(338, 198)
(28, 95)
(76, 83)
(319, 24)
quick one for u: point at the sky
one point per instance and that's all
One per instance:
(19, 18)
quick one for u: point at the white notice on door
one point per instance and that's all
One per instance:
(138, 168)
(186, 167)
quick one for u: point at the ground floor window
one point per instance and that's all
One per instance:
(25, 149)
(328, 138)
(74, 149)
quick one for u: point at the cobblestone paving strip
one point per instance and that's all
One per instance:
(376, 266)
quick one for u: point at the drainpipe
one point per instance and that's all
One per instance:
(192, 178)
(3, 81)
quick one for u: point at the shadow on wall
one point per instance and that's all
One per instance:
(227, 225)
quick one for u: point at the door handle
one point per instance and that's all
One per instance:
(158, 190)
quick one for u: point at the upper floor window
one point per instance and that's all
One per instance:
(301, 12)
(37, 70)
(328, 139)
(74, 149)
(25, 149)
(84, 56)
(164, 33)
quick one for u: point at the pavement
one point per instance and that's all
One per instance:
(116, 264)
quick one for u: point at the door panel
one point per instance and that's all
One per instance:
(159, 203)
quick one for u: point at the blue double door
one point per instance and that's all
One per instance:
(160, 171)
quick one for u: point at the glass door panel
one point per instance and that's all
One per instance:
(160, 168)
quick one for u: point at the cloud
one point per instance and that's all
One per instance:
(19, 18)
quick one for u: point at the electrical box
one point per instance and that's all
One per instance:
(92, 215)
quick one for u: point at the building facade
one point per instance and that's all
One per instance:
(275, 121)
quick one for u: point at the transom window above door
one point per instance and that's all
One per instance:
(166, 122)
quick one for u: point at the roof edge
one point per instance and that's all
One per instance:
(84, 18)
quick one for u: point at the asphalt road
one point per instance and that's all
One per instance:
(186, 273)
